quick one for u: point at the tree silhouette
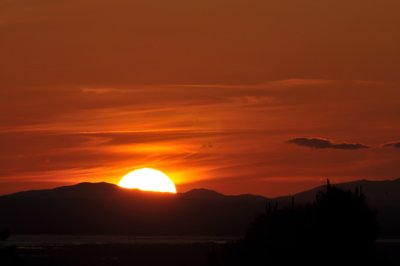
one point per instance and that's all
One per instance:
(337, 229)
(345, 225)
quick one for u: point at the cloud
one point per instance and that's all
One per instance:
(319, 143)
(294, 83)
(393, 145)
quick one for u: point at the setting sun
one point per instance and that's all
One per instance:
(148, 179)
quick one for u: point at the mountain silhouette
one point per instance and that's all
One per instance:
(203, 193)
(379, 193)
(102, 208)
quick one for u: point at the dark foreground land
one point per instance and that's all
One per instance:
(120, 255)
(198, 254)
(337, 228)
(388, 253)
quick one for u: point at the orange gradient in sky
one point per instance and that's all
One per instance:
(265, 97)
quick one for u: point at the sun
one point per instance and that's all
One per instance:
(148, 179)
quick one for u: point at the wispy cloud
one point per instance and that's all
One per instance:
(319, 143)
(393, 145)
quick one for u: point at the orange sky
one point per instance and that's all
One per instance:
(255, 96)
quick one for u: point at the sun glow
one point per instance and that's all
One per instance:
(148, 179)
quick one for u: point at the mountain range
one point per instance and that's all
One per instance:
(102, 208)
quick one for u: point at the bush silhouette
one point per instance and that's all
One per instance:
(337, 229)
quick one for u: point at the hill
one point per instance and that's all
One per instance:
(379, 193)
(102, 208)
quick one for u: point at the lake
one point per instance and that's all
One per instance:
(64, 240)
(107, 250)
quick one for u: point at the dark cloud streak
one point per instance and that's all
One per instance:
(393, 145)
(319, 143)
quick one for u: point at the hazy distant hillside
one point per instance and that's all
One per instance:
(108, 209)
(379, 193)
(104, 208)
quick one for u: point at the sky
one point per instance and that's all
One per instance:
(241, 96)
